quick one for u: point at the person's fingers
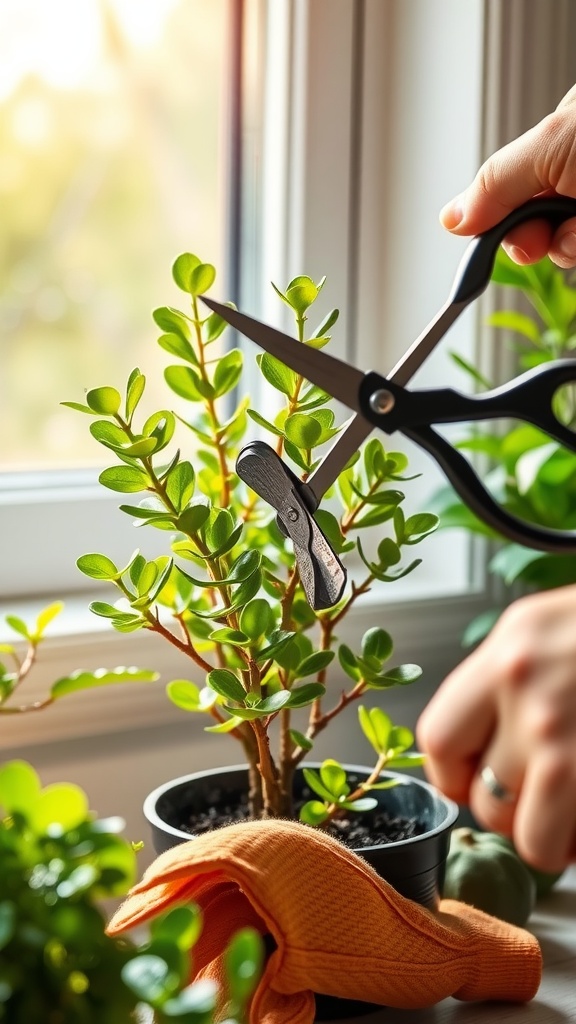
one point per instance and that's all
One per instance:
(496, 813)
(510, 177)
(529, 242)
(546, 811)
(454, 728)
(562, 249)
(542, 160)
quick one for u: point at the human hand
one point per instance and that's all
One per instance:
(542, 161)
(512, 705)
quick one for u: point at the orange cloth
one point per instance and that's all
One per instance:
(338, 927)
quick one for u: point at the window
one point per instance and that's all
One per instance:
(358, 121)
(113, 161)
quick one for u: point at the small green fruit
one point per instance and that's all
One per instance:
(482, 870)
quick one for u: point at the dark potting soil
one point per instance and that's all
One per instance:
(371, 829)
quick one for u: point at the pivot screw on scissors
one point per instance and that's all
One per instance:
(382, 401)
(386, 403)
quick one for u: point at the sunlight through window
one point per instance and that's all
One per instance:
(111, 133)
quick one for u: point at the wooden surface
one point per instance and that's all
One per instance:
(554, 923)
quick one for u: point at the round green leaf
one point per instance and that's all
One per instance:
(257, 618)
(193, 518)
(47, 615)
(171, 321)
(243, 963)
(184, 381)
(228, 371)
(184, 694)
(80, 680)
(301, 293)
(334, 777)
(62, 804)
(127, 479)
(377, 644)
(226, 635)
(202, 278)
(402, 675)
(194, 1005)
(314, 663)
(313, 813)
(376, 726)
(134, 391)
(98, 567)
(226, 684)
(105, 401)
(365, 803)
(301, 696)
(149, 977)
(19, 786)
(300, 740)
(315, 783)
(420, 525)
(274, 702)
(182, 269)
(302, 430)
(181, 925)
(279, 376)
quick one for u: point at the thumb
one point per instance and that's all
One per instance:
(541, 160)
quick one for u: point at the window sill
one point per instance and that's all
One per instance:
(425, 632)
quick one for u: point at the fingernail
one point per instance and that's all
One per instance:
(518, 254)
(567, 245)
(452, 214)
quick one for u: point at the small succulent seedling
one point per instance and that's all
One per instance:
(391, 744)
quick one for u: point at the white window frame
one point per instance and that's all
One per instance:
(333, 62)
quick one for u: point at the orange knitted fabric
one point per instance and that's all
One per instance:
(338, 927)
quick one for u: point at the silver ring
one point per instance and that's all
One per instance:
(494, 787)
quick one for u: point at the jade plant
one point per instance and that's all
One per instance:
(58, 861)
(226, 592)
(532, 476)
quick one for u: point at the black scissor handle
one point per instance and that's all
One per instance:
(528, 397)
(473, 493)
(473, 274)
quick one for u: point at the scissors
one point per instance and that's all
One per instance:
(386, 403)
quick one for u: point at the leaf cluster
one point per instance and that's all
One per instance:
(391, 744)
(57, 861)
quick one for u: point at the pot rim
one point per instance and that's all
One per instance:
(152, 816)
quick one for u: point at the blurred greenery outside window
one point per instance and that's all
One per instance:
(111, 163)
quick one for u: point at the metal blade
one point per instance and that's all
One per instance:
(354, 433)
(334, 376)
(425, 343)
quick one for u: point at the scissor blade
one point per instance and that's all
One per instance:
(334, 376)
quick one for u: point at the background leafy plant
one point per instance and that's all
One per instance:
(19, 664)
(531, 475)
(227, 593)
(57, 964)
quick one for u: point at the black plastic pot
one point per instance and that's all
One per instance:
(415, 867)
